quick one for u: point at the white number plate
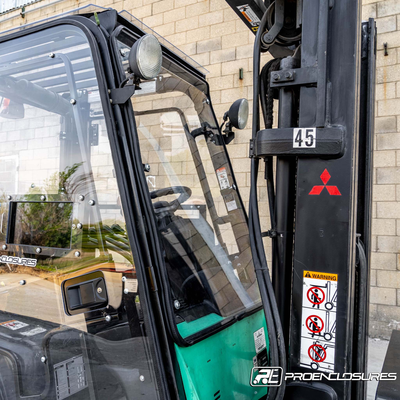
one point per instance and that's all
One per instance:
(304, 138)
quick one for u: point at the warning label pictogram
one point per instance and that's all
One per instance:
(318, 331)
(314, 324)
(315, 296)
(317, 353)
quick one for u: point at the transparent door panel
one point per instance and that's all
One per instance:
(71, 324)
(201, 221)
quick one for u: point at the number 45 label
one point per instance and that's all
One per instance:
(304, 138)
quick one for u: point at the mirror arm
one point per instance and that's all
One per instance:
(228, 135)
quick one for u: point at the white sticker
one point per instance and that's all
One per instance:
(318, 321)
(231, 205)
(222, 178)
(14, 325)
(249, 14)
(304, 138)
(33, 332)
(259, 340)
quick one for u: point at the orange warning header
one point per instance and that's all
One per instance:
(320, 275)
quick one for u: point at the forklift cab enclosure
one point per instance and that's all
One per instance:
(126, 269)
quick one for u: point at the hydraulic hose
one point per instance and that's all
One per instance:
(277, 355)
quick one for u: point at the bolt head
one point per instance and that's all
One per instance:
(38, 250)
(33, 186)
(9, 197)
(77, 254)
(22, 282)
(73, 101)
(52, 55)
(42, 198)
(289, 74)
(99, 290)
(81, 197)
(147, 167)
(177, 305)
(4, 247)
(43, 359)
(79, 226)
(124, 279)
(92, 202)
(126, 291)
(107, 318)
(141, 377)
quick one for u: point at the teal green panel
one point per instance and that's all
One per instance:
(189, 328)
(223, 362)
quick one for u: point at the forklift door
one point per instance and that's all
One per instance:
(71, 321)
(212, 301)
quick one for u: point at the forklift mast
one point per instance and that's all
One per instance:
(323, 77)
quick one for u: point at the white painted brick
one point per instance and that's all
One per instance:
(388, 209)
(383, 296)
(387, 24)
(211, 45)
(385, 125)
(386, 261)
(387, 7)
(384, 158)
(384, 227)
(388, 279)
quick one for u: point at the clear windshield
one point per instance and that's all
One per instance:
(71, 323)
(201, 222)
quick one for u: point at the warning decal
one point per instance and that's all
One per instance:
(222, 178)
(318, 321)
(249, 15)
(259, 340)
(14, 325)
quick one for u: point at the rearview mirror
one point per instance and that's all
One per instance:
(236, 117)
(238, 114)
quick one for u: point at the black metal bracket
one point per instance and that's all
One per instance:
(307, 76)
(271, 233)
(122, 95)
(271, 35)
(329, 142)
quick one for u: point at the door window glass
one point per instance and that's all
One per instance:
(201, 222)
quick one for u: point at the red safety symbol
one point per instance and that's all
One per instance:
(315, 295)
(314, 324)
(333, 190)
(318, 351)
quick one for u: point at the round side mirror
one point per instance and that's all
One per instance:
(145, 57)
(239, 113)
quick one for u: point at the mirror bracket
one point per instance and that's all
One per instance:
(228, 135)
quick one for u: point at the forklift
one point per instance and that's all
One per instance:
(129, 267)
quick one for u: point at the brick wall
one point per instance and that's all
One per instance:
(385, 273)
(210, 32)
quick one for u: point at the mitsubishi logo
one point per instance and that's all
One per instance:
(333, 190)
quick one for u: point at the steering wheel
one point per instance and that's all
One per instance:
(163, 206)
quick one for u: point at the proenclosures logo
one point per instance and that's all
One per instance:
(273, 376)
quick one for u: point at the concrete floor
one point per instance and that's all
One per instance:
(376, 355)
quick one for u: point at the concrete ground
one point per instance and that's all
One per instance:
(376, 355)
